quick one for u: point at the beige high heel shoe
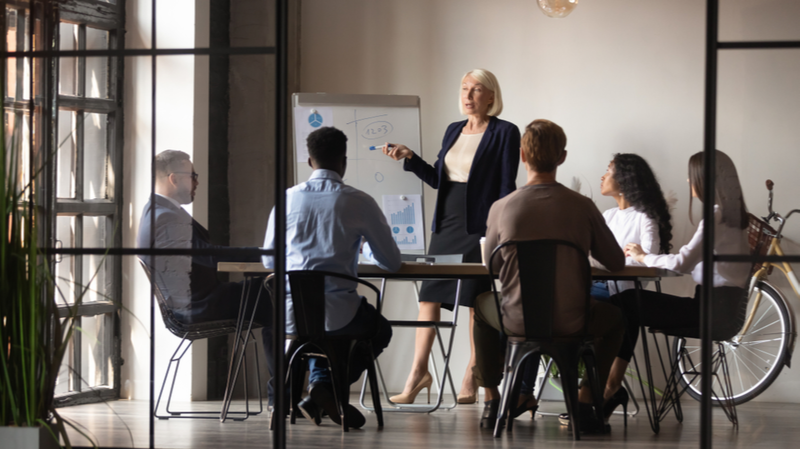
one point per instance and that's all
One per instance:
(424, 383)
(468, 399)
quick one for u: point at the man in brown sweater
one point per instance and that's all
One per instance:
(544, 209)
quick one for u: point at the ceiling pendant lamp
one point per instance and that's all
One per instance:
(557, 8)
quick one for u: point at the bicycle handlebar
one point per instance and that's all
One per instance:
(772, 214)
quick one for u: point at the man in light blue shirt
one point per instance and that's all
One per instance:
(326, 223)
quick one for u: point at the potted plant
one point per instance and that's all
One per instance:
(34, 339)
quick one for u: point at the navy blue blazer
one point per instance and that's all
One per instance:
(175, 228)
(493, 174)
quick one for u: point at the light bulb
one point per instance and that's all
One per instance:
(557, 8)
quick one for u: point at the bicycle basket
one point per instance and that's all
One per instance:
(759, 235)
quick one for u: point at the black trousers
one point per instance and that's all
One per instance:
(664, 311)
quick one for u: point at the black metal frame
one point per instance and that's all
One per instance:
(713, 46)
(281, 138)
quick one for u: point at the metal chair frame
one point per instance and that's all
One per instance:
(437, 326)
(566, 351)
(311, 340)
(190, 333)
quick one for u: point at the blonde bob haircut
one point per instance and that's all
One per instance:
(489, 81)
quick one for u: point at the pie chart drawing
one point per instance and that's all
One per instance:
(315, 120)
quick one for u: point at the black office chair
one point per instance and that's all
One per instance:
(188, 334)
(308, 301)
(537, 263)
(729, 317)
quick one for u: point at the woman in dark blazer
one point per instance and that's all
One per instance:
(476, 166)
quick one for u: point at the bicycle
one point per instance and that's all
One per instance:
(765, 344)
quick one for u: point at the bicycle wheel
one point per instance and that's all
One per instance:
(755, 359)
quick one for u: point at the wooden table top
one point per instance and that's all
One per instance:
(421, 270)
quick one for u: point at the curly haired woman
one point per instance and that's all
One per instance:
(642, 215)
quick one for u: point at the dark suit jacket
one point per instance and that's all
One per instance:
(492, 176)
(189, 283)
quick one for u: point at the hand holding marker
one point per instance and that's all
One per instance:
(394, 151)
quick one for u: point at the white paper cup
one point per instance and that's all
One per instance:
(483, 244)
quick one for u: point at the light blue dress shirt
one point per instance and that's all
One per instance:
(325, 222)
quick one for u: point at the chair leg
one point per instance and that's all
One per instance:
(164, 383)
(727, 387)
(339, 371)
(513, 357)
(597, 391)
(569, 384)
(373, 387)
(258, 377)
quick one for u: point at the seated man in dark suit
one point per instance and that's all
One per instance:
(190, 283)
(326, 223)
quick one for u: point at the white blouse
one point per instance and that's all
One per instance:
(458, 160)
(728, 240)
(630, 225)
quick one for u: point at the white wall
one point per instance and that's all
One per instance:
(181, 124)
(617, 75)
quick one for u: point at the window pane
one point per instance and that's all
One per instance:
(17, 142)
(68, 67)
(95, 156)
(94, 351)
(11, 45)
(26, 62)
(65, 268)
(96, 68)
(96, 268)
(66, 155)
(64, 373)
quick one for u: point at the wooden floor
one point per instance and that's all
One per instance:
(125, 424)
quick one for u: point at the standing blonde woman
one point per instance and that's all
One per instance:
(476, 166)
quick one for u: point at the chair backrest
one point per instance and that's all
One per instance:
(541, 264)
(182, 329)
(308, 299)
(454, 259)
(170, 321)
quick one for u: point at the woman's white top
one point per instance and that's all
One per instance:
(631, 226)
(458, 159)
(727, 240)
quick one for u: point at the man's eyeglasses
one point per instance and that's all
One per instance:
(194, 175)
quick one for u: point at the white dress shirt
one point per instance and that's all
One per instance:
(631, 226)
(727, 240)
(325, 222)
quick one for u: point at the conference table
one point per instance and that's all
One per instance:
(417, 271)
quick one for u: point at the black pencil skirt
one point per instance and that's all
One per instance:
(451, 238)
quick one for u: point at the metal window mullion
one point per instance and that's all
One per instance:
(81, 91)
(12, 104)
(115, 94)
(91, 309)
(709, 157)
(108, 284)
(107, 341)
(79, 154)
(95, 105)
(109, 157)
(76, 336)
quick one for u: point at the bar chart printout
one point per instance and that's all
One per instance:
(404, 215)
